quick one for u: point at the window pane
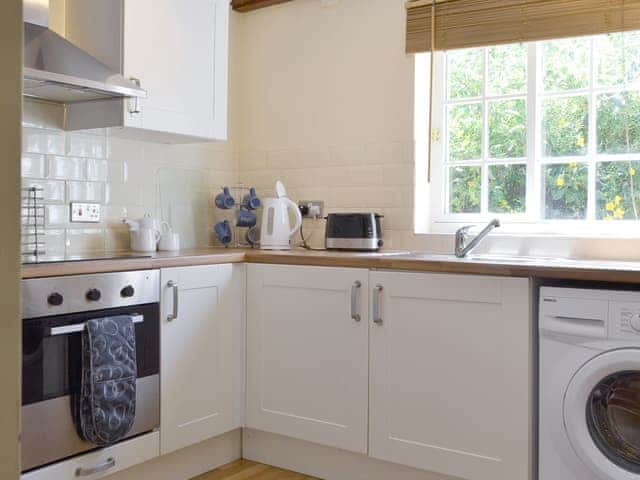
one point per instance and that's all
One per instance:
(565, 64)
(508, 128)
(618, 58)
(507, 188)
(507, 69)
(565, 126)
(618, 190)
(465, 187)
(465, 132)
(565, 191)
(619, 123)
(466, 71)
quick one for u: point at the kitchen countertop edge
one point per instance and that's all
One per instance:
(603, 271)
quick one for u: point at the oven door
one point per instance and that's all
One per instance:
(51, 373)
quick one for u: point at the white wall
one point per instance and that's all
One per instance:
(327, 106)
(10, 331)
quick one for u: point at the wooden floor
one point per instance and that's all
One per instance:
(247, 470)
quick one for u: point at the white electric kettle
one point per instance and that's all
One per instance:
(276, 230)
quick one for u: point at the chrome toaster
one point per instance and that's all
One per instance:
(353, 231)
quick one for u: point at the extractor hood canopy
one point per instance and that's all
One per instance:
(57, 70)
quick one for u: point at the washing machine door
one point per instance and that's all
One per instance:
(602, 414)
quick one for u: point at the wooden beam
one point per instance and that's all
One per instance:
(248, 5)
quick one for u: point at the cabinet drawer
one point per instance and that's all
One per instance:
(126, 454)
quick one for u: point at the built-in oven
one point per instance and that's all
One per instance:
(55, 310)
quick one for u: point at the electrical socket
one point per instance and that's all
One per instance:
(311, 208)
(85, 212)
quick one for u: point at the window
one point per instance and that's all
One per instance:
(546, 132)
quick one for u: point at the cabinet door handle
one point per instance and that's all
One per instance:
(174, 285)
(134, 104)
(354, 300)
(377, 294)
(103, 467)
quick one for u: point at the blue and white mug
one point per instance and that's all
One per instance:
(225, 200)
(245, 218)
(251, 200)
(223, 232)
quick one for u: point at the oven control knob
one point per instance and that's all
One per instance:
(127, 291)
(93, 295)
(55, 299)
(635, 322)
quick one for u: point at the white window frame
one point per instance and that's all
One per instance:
(432, 218)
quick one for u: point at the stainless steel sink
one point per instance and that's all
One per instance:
(489, 258)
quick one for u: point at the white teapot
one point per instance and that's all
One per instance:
(145, 222)
(144, 233)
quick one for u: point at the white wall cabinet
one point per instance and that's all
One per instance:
(200, 347)
(179, 52)
(307, 353)
(451, 374)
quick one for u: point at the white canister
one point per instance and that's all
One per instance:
(144, 240)
(169, 241)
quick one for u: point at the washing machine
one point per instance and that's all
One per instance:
(589, 370)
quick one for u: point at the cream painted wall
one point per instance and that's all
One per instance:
(327, 106)
(327, 103)
(10, 112)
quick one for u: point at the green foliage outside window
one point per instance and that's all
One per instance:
(507, 69)
(466, 73)
(618, 59)
(619, 123)
(565, 191)
(508, 129)
(565, 128)
(564, 121)
(618, 191)
(565, 64)
(507, 188)
(465, 189)
(465, 132)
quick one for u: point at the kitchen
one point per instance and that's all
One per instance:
(332, 99)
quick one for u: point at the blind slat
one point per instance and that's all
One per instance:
(474, 23)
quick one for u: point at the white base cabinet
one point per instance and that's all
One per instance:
(307, 353)
(199, 374)
(450, 374)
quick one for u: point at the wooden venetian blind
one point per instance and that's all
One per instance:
(474, 23)
(248, 5)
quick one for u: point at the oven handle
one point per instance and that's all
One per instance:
(79, 327)
(103, 467)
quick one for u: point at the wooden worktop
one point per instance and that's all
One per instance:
(604, 271)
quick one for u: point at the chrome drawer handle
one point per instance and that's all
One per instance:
(354, 300)
(79, 327)
(103, 467)
(377, 317)
(174, 286)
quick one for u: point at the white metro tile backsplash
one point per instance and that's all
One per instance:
(33, 165)
(86, 192)
(66, 168)
(368, 177)
(123, 176)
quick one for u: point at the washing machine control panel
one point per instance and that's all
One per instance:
(624, 321)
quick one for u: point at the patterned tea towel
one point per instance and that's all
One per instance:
(106, 404)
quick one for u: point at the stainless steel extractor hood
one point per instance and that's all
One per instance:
(57, 70)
